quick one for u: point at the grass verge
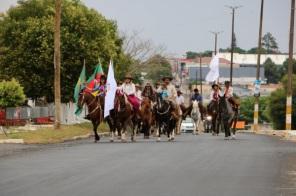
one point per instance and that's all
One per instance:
(48, 135)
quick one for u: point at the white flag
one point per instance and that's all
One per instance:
(111, 91)
(213, 74)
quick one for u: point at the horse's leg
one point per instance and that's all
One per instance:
(214, 125)
(95, 127)
(159, 131)
(234, 126)
(112, 128)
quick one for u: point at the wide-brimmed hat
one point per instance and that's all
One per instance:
(103, 76)
(138, 85)
(215, 85)
(167, 77)
(128, 76)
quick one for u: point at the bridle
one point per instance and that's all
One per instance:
(159, 104)
(91, 103)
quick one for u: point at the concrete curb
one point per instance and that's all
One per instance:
(79, 137)
(12, 141)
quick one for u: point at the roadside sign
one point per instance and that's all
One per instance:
(257, 85)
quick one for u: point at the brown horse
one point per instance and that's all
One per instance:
(95, 111)
(146, 116)
(125, 116)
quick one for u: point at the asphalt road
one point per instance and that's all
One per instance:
(191, 166)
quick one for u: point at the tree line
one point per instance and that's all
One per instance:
(27, 49)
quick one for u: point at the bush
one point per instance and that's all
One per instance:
(11, 93)
(277, 106)
(247, 109)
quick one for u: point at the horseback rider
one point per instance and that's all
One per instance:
(215, 95)
(92, 84)
(138, 92)
(97, 87)
(129, 89)
(148, 92)
(100, 88)
(180, 101)
(196, 96)
(169, 93)
(228, 93)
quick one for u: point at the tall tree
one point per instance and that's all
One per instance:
(272, 71)
(270, 44)
(27, 50)
(57, 64)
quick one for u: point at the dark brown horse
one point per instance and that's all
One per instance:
(95, 111)
(125, 116)
(146, 116)
(213, 110)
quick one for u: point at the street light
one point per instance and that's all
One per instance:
(233, 8)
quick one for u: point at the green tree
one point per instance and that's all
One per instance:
(255, 51)
(272, 71)
(156, 67)
(195, 55)
(277, 105)
(26, 45)
(192, 55)
(270, 44)
(247, 109)
(284, 68)
(11, 94)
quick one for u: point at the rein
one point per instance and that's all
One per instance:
(91, 103)
(162, 113)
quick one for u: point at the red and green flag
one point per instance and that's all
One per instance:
(97, 73)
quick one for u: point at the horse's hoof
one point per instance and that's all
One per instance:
(172, 139)
(158, 139)
(123, 141)
(111, 140)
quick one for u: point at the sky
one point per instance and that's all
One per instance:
(185, 25)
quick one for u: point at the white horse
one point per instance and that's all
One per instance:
(196, 116)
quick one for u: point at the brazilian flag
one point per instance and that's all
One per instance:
(79, 86)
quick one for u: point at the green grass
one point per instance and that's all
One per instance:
(49, 135)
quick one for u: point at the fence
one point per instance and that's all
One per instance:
(40, 114)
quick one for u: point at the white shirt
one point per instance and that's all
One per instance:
(139, 94)
(212, 95)
(228, 93)
(180, 100)
(129, 88)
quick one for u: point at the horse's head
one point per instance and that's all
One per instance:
(120, 99)
(161, 104)
(81, 99)
(195, 104)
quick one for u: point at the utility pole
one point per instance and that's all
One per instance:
(257, 94)
(200, 73)
(216, 39)
(57, 64)
(290, 70)
(233, 9)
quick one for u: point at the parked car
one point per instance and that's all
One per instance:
(187, 126)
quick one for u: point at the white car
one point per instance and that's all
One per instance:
(187, 126)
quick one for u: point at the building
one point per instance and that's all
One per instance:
(244, 67)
